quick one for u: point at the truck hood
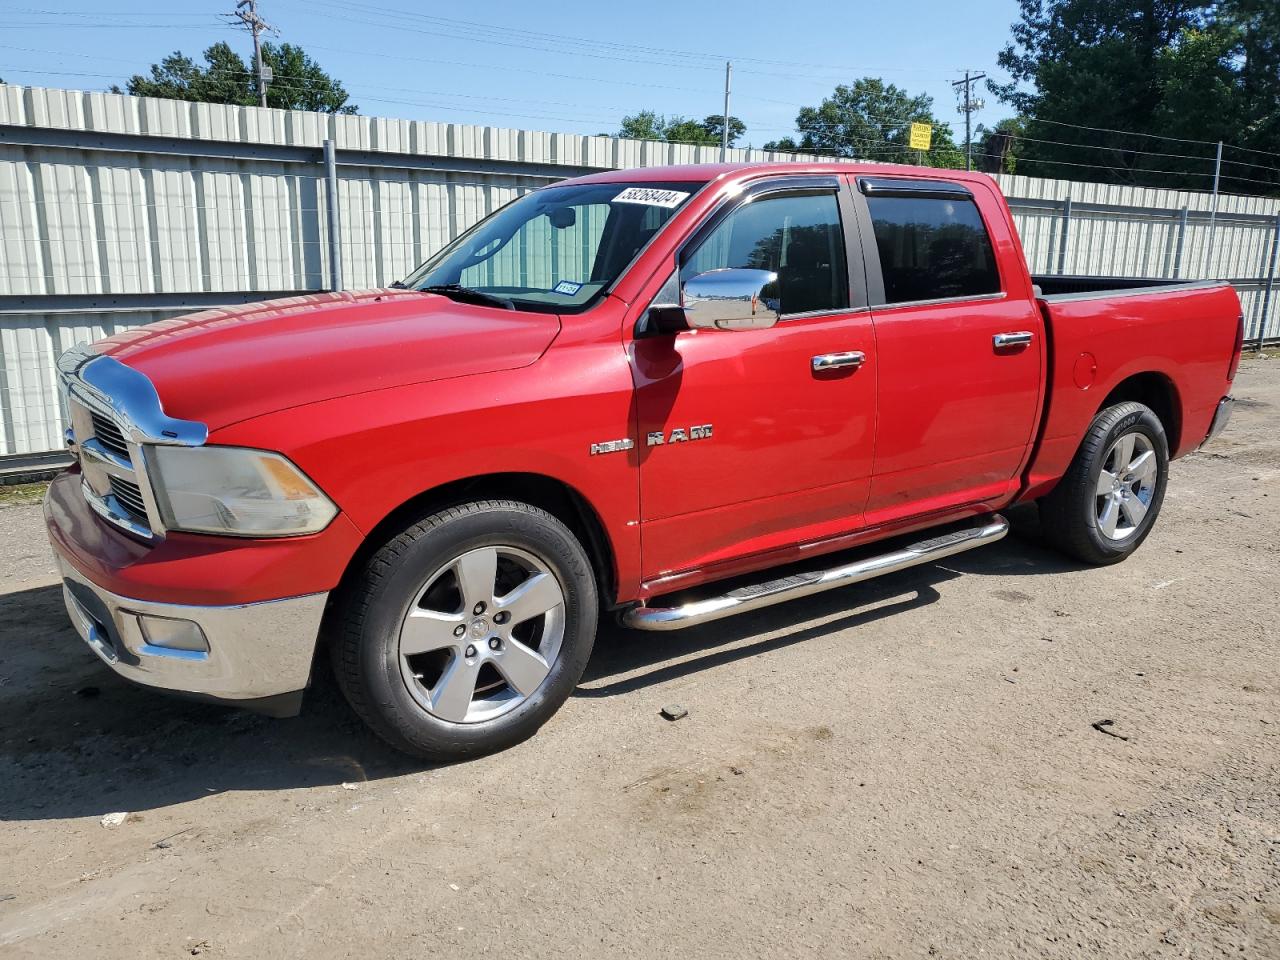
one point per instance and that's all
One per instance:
(226, 365)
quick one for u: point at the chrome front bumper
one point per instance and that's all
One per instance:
(253, 655)
(1221, 417)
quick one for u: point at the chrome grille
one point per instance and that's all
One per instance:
(129, 496)
(109, 435)
(115, 414)
(111, 486)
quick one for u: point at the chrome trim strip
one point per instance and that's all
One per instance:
(111, 463)
(110, 509)
(127, 396)
(818, 314)
(767, 594)
(1157, 288)
(979, 298)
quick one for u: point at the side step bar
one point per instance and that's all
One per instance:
(745, 599)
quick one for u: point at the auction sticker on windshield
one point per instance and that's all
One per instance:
(651, 197)
(566, 287)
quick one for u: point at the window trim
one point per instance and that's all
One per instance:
(937, 301)
(876, 296)
(911, 187)
(795, 184)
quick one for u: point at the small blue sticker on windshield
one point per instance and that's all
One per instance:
(567, 287)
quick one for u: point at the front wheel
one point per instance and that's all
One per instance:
(1111, 495)
(468, 630)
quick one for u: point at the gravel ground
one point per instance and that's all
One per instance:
(906, 768)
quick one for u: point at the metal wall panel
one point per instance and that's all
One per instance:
(104, 196)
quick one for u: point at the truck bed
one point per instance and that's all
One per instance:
(1060, 287)
(1179, 336)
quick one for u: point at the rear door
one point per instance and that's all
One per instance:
(751, 441)
(959, 346)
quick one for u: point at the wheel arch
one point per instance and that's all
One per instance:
(562, 501)
(1157, 391)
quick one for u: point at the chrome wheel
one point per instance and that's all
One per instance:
(482, 634)
(1126, 484)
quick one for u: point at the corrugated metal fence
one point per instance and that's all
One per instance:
(117, 211)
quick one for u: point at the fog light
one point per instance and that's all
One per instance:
(173, 634)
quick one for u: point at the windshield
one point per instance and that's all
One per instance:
(556, 249)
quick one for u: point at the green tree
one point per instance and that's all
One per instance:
(995, 148)
(299, 82)
(648, 125)
(1160, 69)
(1255, 25)
(871, 119)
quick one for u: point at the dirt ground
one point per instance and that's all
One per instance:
(902, 769)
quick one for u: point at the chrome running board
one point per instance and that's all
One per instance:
(745, 599)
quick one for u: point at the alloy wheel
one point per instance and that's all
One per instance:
(1126, 484)
(482, 634)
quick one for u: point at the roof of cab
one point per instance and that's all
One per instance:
(705, 172)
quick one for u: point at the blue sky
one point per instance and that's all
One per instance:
(574, 66)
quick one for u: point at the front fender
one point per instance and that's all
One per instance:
(373, 452)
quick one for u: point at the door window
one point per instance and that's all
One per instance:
(799, 236)
(932, 248)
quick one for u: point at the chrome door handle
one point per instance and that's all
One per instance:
(1019, 338)
(837, 361)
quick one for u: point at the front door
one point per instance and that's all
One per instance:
(746, 444)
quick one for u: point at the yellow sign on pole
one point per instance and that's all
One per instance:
(921, 136)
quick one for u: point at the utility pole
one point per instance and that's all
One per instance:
(1213, 213)
(967, 105)
(724, 133)
(249, 17)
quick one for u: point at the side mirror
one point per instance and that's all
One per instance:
(732, 299)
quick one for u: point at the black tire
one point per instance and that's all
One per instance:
(1069, 513)
(365, 647)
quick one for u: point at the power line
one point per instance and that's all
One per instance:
(1154, 136)
(103, 13)
(1145, 153)
(10, 25)
(1101, 166)
(592, 42)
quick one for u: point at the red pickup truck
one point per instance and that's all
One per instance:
(675, 394)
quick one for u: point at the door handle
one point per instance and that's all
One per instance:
(1019, 338)
(838, 361)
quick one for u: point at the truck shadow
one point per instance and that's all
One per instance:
(620, 653)
(77, 741)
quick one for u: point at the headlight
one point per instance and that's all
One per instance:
(231, 490)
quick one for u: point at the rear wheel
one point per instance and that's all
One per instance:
(468, 630)
(1112, 493)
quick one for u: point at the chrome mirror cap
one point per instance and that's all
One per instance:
(731, 299)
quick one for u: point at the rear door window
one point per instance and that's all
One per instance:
(932, 248)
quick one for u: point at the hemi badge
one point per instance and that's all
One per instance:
(612, 446)
(680, 435)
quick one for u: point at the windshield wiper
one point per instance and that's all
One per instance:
(456, 291)
(399, 285)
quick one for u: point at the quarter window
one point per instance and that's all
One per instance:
(799, 236)
(932, 249)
